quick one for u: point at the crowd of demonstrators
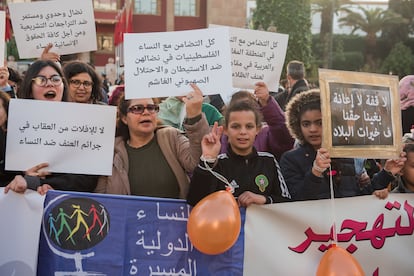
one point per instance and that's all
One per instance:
(154, 160)
(44, 80)
(406, 89)
(273, 136)
(296, 83)
(171, 155)
(253, 177)
(308, 168)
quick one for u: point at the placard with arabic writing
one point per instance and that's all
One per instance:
(364, 114)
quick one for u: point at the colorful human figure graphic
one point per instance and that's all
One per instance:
(52, 228)
(79, 220)
(105, 220)
(64, 223)
(95, 219)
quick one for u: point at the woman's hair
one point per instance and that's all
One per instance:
(25, 90)
(116, 95)
(242, 95)
(299, 104)
(409, 147)
(243, 106)
(5, 99)
(73, 68)
(122, 128)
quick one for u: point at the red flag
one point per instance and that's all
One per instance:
(117, 30)
(128, 27)
(122, 25)
(9, 32)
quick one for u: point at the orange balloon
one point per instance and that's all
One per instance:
(214, 223)
(339, 262)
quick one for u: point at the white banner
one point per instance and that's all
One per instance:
(279, 239)
(71, 137)
(20, 217)
(291, 238)
(68, 25)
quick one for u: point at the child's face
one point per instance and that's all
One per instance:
(311, 127)
(241, 131)
(407, 171)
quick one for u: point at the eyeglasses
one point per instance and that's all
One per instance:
(139, 108)
(55, 80)
(77, 83)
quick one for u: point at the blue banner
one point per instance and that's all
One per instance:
(96, 234)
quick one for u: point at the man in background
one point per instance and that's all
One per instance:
(295, 74)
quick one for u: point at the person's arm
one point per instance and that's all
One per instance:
(50, 55)
(196, 126)
(301, 182)
(391, 169)
(71, 182)
(203, 182)
(279, 139)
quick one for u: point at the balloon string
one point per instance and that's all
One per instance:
(335, 237)
(206, 167)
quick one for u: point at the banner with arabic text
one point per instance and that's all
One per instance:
(95, 234)
(378, 233)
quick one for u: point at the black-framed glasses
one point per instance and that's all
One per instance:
(139, 108)
(77, 83)
(55, 80)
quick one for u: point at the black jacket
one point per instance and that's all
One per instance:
(284, 97)
(257, 172)
(296, 166)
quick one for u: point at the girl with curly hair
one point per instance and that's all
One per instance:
(307, 169)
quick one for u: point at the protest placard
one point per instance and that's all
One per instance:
(68, 25)
(163, 64)
(256, 56)
(71, 137)
(360, 114)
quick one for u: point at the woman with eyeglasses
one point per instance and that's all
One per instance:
(44, 81)
(307, 169)
(84, 84)
(153, 160)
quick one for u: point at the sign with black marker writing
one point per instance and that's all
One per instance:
(164, 64)
(256, 56)
(364, 114)
(71, 137)
(68, 25)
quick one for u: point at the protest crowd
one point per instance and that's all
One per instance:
(173, 150)
(265, 146)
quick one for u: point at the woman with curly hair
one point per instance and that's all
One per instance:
(308, 168)
(85, 85)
